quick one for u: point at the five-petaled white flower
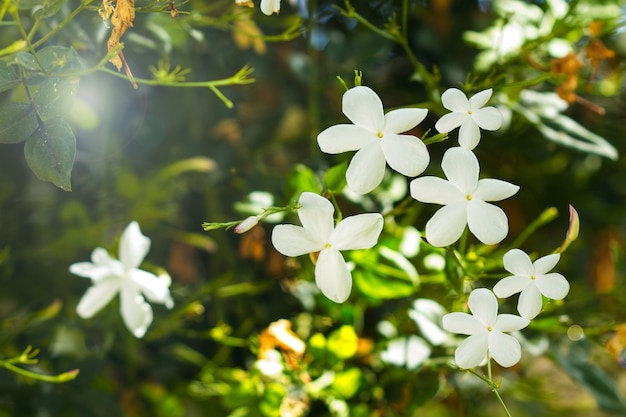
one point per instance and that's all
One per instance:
(469, 114)
(318, 234)
(486, 330)
(376, 136)
(531, 280)
(464, 198)
(110, 276)
(270, 6)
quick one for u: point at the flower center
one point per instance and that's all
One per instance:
(489, 328)
(468, 197)
(326, 246)
(532, 277)
(380, 135)
(469, 112)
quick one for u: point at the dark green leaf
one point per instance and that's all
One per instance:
(8, 78)
(26, 60)
(574, 358)
(55, 97)
(50, 153)
(47, 8)
(60, 59)
(17, 122)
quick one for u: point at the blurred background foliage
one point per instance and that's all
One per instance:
(249, 335)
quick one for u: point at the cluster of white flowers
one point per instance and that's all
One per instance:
(379, 140)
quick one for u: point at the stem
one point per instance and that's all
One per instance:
(31, 47)
(62, 24)
(60, 378)
(492, 385)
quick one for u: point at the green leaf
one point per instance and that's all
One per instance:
(55, 97)
(17, 122)
(343, 342)
(301, 179)
(347, 383)
(60, 59)
(8, 78)
(26, 60)
(382, 287)
(50, 153)
(335, 177)
(46, 8)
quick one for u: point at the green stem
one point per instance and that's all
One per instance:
(494, 388)
(60, 378)
(31, 47)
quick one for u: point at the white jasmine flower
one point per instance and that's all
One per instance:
(318, 234)
(376, 136)
(427, 315)
(409, 351)
(110, 276)
(531, 280)
(270, 6)
(464, 198)
(470, 115)
(487, 332)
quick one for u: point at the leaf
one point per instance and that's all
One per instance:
(17, 122)
(50, 153)
(55, 97)
(347, 383)
(8, 78)
(343, 342)
(335, 177)
(60, 59)
(26, 60)
(46, 8)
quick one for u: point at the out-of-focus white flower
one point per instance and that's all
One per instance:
(270, 6)
(111, 276)
(427, 315)
(470, 115)
(319, 234)
(409, 352)
(487, 332)
(377, 138)
(464, 198)
(531, 280)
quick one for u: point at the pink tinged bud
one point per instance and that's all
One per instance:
(572, 230)
(247, 224)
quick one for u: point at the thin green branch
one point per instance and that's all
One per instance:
(62, 23)
(28, 358)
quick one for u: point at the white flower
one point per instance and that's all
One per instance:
(409, 351)
(464, 198)
(532, 280)
(110, 276)
(319, 234)
(469, 114)
(270, 6)
(376, 136)
(427, 315)
(486, 330)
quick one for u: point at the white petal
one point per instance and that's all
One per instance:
(316, 215)
(480, 99)
(510, 323)
(455, 100)
(403, 120)
(293, 240)
(504, 349)
(154, 288)
(530, 302)
(461, 168)
(90, 270)
(270, 6)
(494, 190)
(488, 118)
(137, 314)
(435, 190)
(406, 154)
(449, 122)
(508, 286)
(462, 323)
(134, 246)
(483, 305)
(363, 107)
(332, 275)
(344, 138)
(487, 222)
(429, 329)
(447, 225)
(97, 297)
(469, 134)
(367, 169)
(553, 285)
(472, 351)
(545, 264)
(517, 262)
(360, 231)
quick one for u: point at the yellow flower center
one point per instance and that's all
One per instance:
(380, 135)
(533, 277)
(468, 197)
(489, 328)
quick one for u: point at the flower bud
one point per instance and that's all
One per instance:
(247, 224)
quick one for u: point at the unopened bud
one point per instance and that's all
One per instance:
(247, 224)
